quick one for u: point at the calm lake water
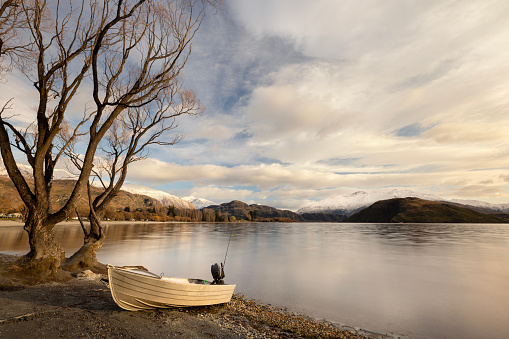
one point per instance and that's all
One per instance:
(416, 280)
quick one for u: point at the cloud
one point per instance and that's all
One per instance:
(24, 99)
(470, 132)
(480, 191)
(228, 61)
(291, 187)
(326, 28)
(361, 81)
(280, 111)
(374, 29)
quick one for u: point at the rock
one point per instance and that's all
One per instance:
(88, 275)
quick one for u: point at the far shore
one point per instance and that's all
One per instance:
(17, 222)
(74, 222)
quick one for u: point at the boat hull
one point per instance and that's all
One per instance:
(134, 290)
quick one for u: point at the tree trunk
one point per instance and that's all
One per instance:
(86, 257)
(43, 261)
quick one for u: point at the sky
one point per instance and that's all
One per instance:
(307, 100)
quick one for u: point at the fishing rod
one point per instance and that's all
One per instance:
(227, 247)
(218, 272)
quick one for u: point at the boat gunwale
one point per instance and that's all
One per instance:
(208, 286)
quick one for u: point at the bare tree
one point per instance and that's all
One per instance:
(126, 53)
(12, 47)
(127, 141)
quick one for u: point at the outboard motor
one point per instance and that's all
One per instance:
(217, 274)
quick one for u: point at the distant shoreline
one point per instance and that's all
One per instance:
(15, 223)
(12, 222)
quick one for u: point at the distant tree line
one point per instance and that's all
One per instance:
(172, 213)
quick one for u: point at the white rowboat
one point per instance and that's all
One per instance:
(135, 289)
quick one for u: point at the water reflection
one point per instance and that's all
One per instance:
(420, 280)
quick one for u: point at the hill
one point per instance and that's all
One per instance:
(323, 217)
(415, 210)
(10, 200)
(349, 204)
(243, 211)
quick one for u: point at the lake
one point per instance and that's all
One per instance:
(415, 280)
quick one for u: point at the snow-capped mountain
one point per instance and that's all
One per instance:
(348, 204)
(26, 171)
(165, 198)
(199, 202)
(503, 208)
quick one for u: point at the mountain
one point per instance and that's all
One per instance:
(61, 190)
(199, 202)
(415, 210)
(242, 211)
(9, 197)
(323, 217)
(349, 204)
(165, 198)
(482, 206)
(26, 171)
